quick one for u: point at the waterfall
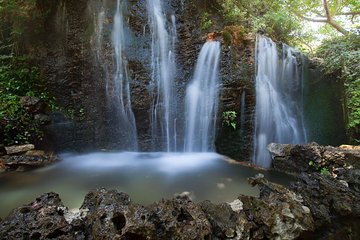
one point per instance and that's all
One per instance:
(201, 103)
(163, 115)
(121, 81)
(279, 99)
(123, 133)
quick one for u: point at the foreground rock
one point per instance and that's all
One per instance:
(11, 150)
(277, 214)
(27, 161)
(329, 198)
(41, 219)
(295, 159)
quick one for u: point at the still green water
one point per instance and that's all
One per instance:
(146, 177)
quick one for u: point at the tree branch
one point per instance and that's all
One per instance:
(349, 13)
(324, 20)
(331, 21)
(327, 10)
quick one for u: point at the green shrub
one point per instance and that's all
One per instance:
(229, 119)
(206, 22)
(18, 77)
(341, 58)
(227, 37)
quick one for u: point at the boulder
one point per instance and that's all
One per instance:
(28, 161)
(180, 218)
(327, 197)
(295, 159)
(226, 221)
(108, 214)
(350, 147)
(41, 219)
(278, 213)
(42, 119)
(33, 105)
(279, 150)
(17, 149)
(111, 214)
(39, 153)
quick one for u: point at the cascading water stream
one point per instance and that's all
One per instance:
(119, 113)
(163, 115)
(201, 104)
(121, 86)
(279, 104)
(292, 77)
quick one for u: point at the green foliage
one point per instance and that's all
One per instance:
(227, 37)
(20, 19)
(206, 22)
(19, 78)
(325, 171)
(229, 119)
(267, 16)
(341, 58)
(311, 163)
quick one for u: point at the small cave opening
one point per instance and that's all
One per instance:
(119, 221)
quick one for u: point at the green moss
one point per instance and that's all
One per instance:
(227, 37)
(206, 22)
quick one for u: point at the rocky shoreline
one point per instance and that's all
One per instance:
(315, 206)
(23, 158)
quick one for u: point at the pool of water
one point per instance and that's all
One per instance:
(146, 177)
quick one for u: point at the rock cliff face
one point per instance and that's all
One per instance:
(63, 53)
(67, 56)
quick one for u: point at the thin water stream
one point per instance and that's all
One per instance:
(163, 109)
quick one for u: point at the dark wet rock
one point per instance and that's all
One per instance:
(2, 150)
(42, 119)
(41, 219)
(112, 216)
(343, 228)
(278, 214)
(33, 105)
(28, 161)
(295, 159)
(237, 71)
(2, 166)
(65, 53)
(349, 176)
(180, 218)
(227, 222)
(327, 197)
